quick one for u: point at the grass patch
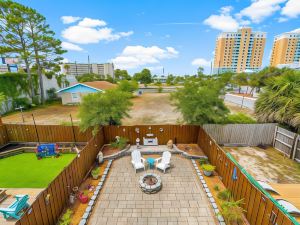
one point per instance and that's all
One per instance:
(26, 171)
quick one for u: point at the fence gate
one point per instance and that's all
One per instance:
(287, 142)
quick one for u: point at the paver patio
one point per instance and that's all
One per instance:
(181, 200)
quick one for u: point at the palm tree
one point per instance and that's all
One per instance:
(280, 100)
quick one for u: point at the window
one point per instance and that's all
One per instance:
(75, 96)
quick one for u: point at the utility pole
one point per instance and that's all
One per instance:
(89, 69)
(76, 68)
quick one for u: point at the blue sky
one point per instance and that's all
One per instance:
(177, 35)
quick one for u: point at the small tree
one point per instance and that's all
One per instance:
(102, 107)
(170, 80)
(89, 77)
(128, 86)
(240, 79)
(143, 77)
(199, 102)
(122, 75)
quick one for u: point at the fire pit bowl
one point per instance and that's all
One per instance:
(150, 183)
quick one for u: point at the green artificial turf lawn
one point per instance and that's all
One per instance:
(26, 171)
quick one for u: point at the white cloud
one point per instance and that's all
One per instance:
(296, 30)
(136, 56)
(261, 9)
(155, 68)
(70, 46)
(88, 22)
(282, 19)
(201, 62)
(222, 22)
(291, 9)
(226, 9)
(87, 35)
(69, 19)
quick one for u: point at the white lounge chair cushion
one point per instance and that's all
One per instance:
(267, 187)
(289, 206)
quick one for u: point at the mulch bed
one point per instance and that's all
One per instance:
(107, 150)
(192, 149)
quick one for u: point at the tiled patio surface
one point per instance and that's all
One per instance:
(181, 200)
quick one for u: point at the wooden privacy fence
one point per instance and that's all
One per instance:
(178, 133)
(242, 134)
(259, 208)
(3, 135)
(46, 133)
(287, 142)
(48, 212)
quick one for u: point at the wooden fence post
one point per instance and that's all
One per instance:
(275, 135)
(1, 121)
(294, 148)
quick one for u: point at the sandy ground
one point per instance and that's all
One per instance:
(267, 165)
(234, 108)
(53, 114)
(152, 108)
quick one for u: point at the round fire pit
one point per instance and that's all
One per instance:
(150, 183)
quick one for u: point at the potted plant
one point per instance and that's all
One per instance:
(208, 169)
(95, 173)
(83, 197)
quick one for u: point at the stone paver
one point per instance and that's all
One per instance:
(180, 201)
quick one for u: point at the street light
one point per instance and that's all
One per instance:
(21, 110)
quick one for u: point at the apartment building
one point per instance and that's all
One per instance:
(77, 69)
(240, 51)
(286, 50)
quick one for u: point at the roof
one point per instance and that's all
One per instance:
(95, 85)
(102, 85)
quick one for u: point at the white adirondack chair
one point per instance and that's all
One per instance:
(137, 160)
(163, 162)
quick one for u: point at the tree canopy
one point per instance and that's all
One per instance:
(144, 77)
(128, 86)
(122, 75)
(199, 102)
(100, 108)
(280, 100)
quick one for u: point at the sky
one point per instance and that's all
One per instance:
(174, 36)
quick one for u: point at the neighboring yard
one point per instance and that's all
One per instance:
(26, 171)
(234, 108)
(150, 108)
(267, 165)
(53, 114)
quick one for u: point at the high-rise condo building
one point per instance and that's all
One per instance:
(77, 69)
(240, 51)
(286, 50)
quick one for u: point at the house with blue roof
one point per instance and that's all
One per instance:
(72, 95)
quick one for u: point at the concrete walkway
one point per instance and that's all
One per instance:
(181, 200)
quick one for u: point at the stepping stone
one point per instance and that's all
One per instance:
(85, 216)
(212, 200)
(96, 192)
(98, 188)
(201, 177)
(220, 218)
(222, 223)
(203, 181)
(105, 172)
(82, 222)
(206, 190)
(205, 186)
(91, 203)
(94, 197)
(214, 205)
(216, 211)
(100, 183)
(88, 209)
(209, 195)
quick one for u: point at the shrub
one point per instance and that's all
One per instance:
(66, 218)
(96, 171)
(119, 143)
(216, 188)
(239, 118)
(160, 89)
(203, 161)
(232, 211)
(224, 195)
(208, 167)
(22, 102)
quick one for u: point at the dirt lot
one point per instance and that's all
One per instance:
(150, 108)
(267, 165)
(53, 114)
(234, 108)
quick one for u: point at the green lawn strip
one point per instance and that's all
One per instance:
(26, 171)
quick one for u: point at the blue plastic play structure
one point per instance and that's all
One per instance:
(14, 210)
(47, 150)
